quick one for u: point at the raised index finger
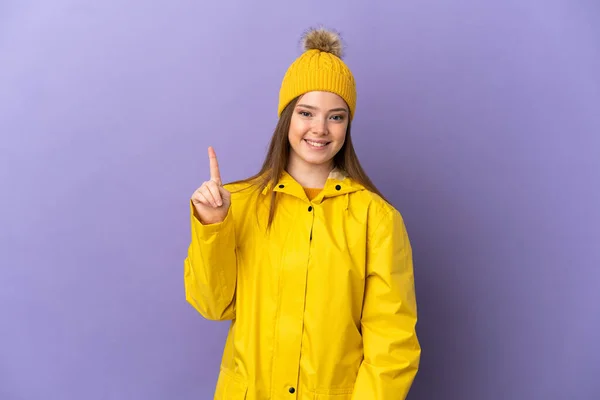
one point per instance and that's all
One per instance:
(215, 175)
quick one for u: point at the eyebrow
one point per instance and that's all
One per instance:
(316, 108)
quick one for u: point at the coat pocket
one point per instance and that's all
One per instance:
(332, 394)
(230, 386)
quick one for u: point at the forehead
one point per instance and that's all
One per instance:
(321, 99)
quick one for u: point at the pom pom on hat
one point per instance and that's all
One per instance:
(323, 40)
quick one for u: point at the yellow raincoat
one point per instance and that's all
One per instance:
(322, 307)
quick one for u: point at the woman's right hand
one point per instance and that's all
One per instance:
(211, 200)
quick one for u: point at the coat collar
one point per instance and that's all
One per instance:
(338, 183)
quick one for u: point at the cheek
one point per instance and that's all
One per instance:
(296, 131)
(293, 135)
(340, 134)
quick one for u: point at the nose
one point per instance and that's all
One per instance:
(320, 126)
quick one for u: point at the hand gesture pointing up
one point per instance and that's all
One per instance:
(211, 200)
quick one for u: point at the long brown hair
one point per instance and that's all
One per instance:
(278, 156)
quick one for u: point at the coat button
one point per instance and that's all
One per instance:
(309, 208)
(338, 187)
(292, 390)
(281, 186)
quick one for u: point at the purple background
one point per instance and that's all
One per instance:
(480, 120)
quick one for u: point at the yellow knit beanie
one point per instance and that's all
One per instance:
(320, 68)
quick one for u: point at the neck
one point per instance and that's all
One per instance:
(308, 175)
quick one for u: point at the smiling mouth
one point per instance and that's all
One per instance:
(316, 144)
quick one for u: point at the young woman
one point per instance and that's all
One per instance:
(307, 259)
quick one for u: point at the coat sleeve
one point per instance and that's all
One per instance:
(210, 269)
(391, 348)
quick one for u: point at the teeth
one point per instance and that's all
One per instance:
(316, 144)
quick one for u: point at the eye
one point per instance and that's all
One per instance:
(337, 117)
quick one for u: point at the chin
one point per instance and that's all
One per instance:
(317, 160)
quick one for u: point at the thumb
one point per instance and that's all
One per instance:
(225, 194)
